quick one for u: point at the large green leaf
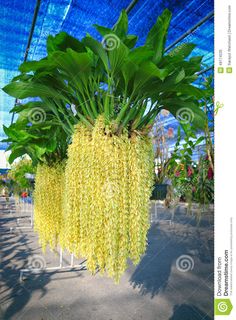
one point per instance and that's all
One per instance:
(174, 63)
(14, 133)
(22, 90)
(23, 76)
(189, 90)
(98, 49)
(140, 54)
(44, 63)
(121, 26)
(128, 70)
(134, 59)
(62, 41)
(76, 65)
(156, 38)
(186, 112)
(146, 71)
(117, 57)
(29, 105)
(16, 153)
(103, 30)
(130, 41)
(182, 51)
(51, 144)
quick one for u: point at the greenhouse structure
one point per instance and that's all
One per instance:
(107, 160)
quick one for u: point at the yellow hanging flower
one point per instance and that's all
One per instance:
(108, 186)
(48, 203)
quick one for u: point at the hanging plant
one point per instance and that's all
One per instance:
(48, 203)
(41, 138)
(107, 206)
(17, 175)
(115, 90)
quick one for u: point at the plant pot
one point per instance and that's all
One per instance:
(159, 192)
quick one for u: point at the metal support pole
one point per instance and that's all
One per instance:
(61, 258)
(70, 267)
(31, 219)
(72, 260)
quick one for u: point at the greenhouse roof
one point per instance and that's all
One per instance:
(77, 18)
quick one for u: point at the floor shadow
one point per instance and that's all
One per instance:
(15, 254)
(152, 273)
(165, 246)
(188, 312)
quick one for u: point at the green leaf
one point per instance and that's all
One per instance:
(140, 54)
(130, 41)
(121, 26)
(77, 65)
(29, 105)
(16, 153)
(146, 71)
(62, 41)
(180, 76)
(186, 112)
(148, 119)
(51, 144)
(22, 90)
(103, 30)
(98, 49)
(117, 57)
(182, 51)
(190, 152)
(199, 140)
(13, 133)
(157, 36)
(196, 59)
(38, 151)
(22, 76)
(44, 63)
(128, 69)
(189, 90)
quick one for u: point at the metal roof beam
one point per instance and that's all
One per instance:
(191, 30)
(130, 6)
(205, 70)
(36, 10)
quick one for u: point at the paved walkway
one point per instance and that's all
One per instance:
(174, 280)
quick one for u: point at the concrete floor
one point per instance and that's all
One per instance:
(156, 289)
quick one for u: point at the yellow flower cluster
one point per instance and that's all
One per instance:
(48, 204)
(108, 183)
